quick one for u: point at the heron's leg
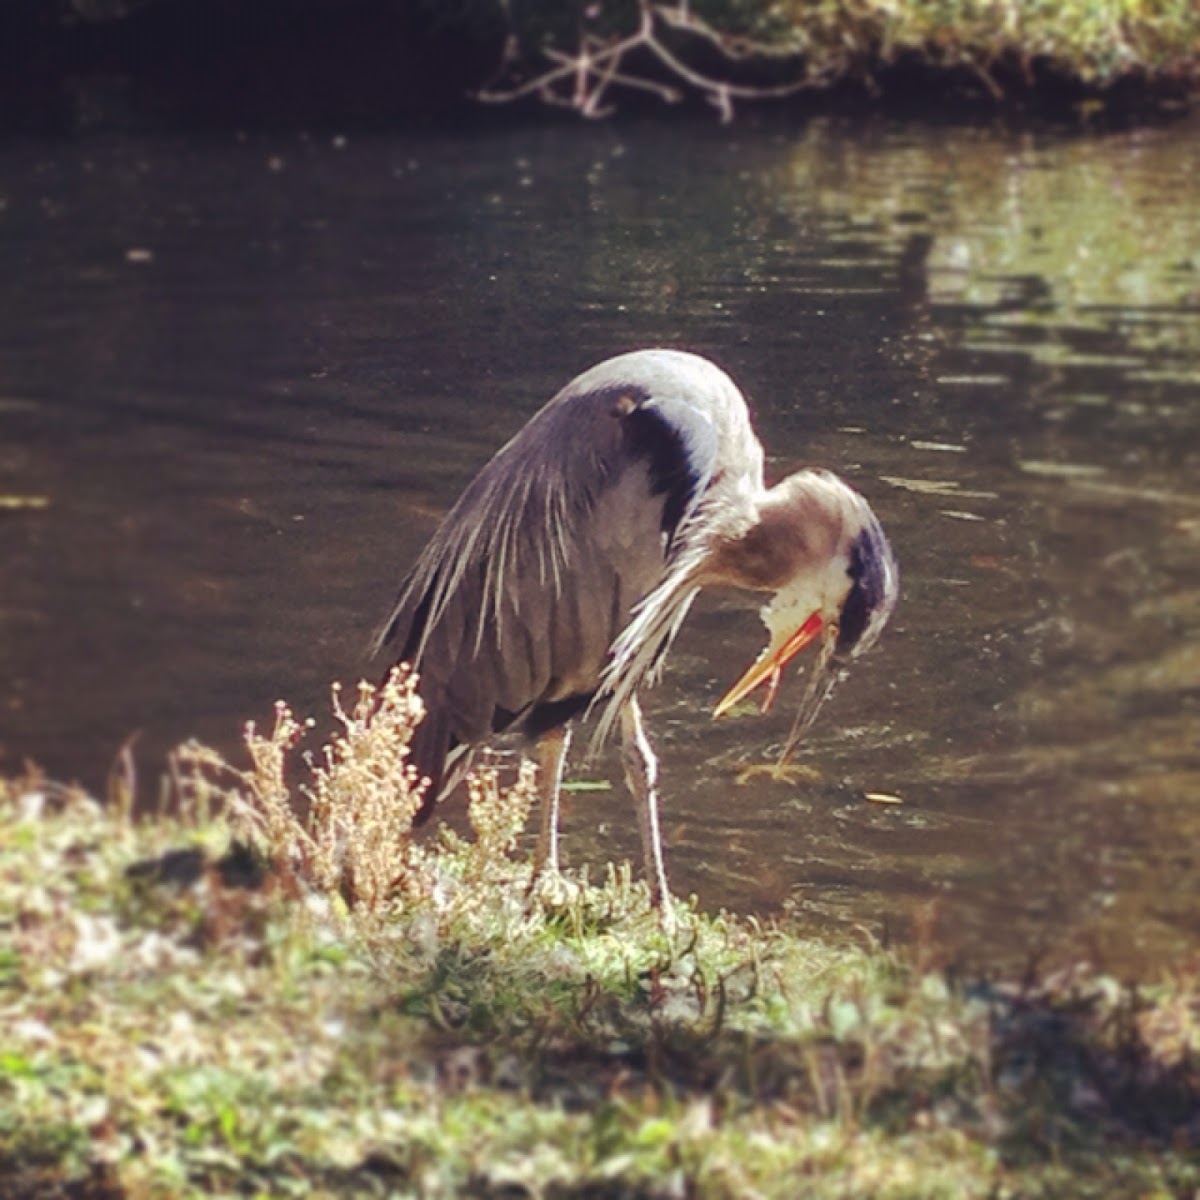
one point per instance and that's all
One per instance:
(641, 772)
(551, 758)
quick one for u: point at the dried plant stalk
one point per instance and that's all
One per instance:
(499, 816)
(364, 794)
(350, 839)
(354, 841)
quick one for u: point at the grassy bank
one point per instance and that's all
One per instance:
(228, 999)
(312, 62)
(589, 56)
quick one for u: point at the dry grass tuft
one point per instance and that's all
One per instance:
(498, 815)
(341, 835)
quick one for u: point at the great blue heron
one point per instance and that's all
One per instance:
(560, 577)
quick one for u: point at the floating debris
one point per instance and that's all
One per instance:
(936, 487)
(1033, 466)
(973, 380)
(882, 798)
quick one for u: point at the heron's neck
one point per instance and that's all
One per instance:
(783, 534)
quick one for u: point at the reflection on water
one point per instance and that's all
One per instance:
(241, 380)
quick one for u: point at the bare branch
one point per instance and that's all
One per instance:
(583, 80)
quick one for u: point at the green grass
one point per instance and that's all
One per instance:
(1096, 41)
(181, 1017)
(593, 56)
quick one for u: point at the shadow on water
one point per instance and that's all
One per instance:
(240, 380)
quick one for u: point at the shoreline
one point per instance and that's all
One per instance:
(232, 998)
(70, 66)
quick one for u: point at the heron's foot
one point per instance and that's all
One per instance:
(662, 902)
(551, 889)
(665, 907)
(545, 862)
(777, 772)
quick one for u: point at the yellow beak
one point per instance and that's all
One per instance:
(769, 666)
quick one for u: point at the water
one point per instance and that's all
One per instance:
(241, 378)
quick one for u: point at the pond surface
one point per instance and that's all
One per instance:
(242, 378)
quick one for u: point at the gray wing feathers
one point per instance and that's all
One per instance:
(593, 511)
(487, 615)
(515, 509)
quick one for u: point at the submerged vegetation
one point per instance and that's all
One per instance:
(270, 988)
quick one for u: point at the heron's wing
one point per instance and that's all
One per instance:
(510, 611)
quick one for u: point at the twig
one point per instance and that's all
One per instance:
(596, 66)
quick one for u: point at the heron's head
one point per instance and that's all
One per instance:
(836, 584)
